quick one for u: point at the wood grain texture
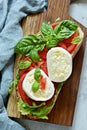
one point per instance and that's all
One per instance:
(63, 110)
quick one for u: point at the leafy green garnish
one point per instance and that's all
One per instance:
(13, 84)
(49, 37)
(65, 29)
(25, 108)
(25, 64)
(29, 46)
(35, 86)
(34, 55)
(46, 29)
(37, 74)
(76, 40)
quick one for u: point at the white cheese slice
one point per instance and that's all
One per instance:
(40, 95)
(59, 64)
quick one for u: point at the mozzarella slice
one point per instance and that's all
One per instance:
(40, 95)
(59, 64)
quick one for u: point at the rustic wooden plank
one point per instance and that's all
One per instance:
(63, 110)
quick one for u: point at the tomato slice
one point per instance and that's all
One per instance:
(23, 95)
(67, 45)
(54, 25)
(71, 48)
(43, 53)
(63, 45)
(26, 58)
(43, 83)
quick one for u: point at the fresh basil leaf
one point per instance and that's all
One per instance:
(35, 86)
(51, 42)
(40, 47)
(24, 46)
(34, 55)
(65, 29)
(76, 40)
(30, 45)
(46, 29)
(25, 64)
(37, 74)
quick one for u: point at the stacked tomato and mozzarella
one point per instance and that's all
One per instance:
(55, 66)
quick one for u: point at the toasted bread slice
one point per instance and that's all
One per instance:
(30, 116)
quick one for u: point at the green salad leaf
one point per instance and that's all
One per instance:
(41, 110)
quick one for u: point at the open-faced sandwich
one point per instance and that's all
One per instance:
(45, 64)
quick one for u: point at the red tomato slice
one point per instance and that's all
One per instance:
(44, 67)
(54, 25)
(23, 71)
(67, 45)
(43, 83)
(26, 58)
(23, 95)
(71, 48)
(63, 45)
(43, 53)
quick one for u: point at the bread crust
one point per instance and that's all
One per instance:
(81, 34)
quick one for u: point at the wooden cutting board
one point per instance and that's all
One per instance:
(63, 110)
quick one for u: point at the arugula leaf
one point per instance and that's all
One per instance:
(76, 40)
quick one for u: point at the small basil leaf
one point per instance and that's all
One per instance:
(40, 47)
(46, 29)
(34, 55)
(37, 74)
(24, 64)
(35, 86)
(76, 40)
(52, 42)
